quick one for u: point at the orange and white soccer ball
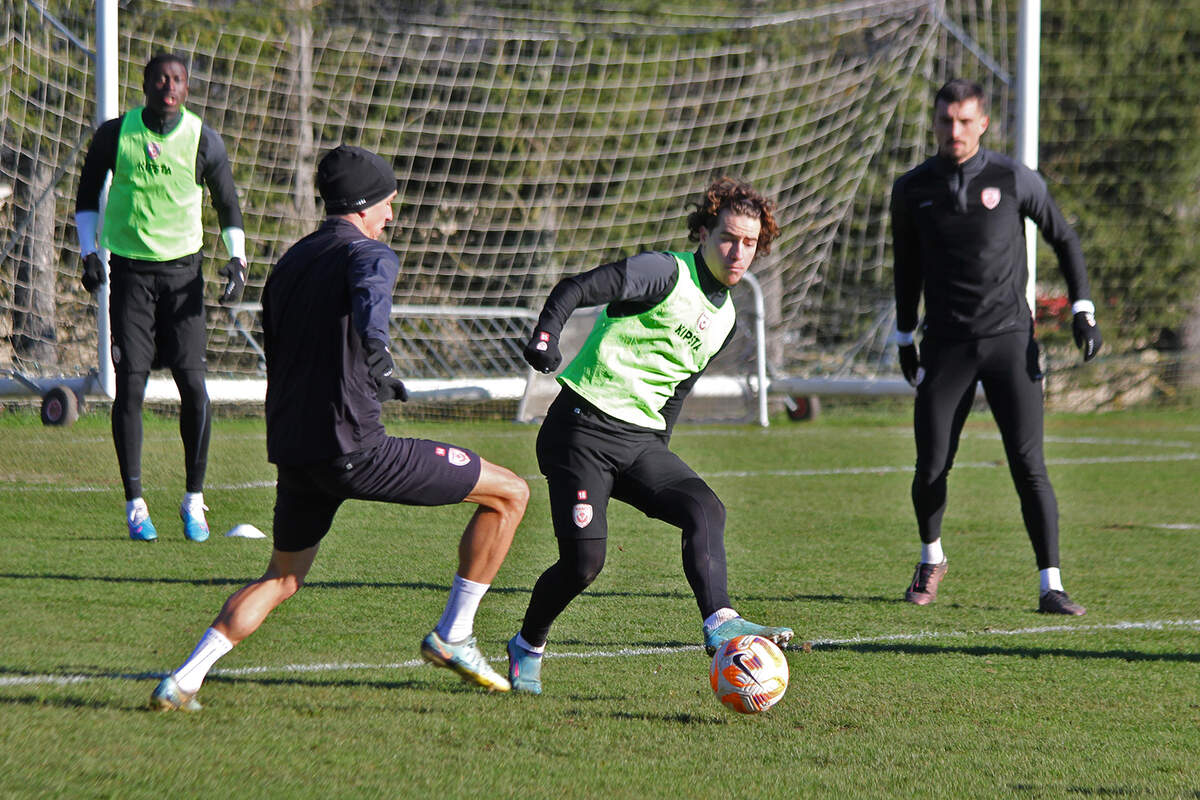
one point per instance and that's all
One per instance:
(749, 674)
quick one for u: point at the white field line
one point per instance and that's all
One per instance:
(58, 488)
(957, 465)
(629, 652)
(797, 473)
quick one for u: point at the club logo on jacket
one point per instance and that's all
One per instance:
(990, 197)
(455, 456)
(152, 150)
(581, 514)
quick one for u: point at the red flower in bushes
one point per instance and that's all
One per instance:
(1053, 310)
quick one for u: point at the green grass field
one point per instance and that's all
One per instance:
(974, 696)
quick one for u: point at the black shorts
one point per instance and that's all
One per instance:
(588, 458)
(414, 472)
(157, 315)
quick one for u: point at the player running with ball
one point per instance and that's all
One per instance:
(607, 434)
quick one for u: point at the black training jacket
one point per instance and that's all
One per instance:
(958, 235)
(328, 293)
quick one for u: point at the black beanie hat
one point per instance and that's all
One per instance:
(351, 179)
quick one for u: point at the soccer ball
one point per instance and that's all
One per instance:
(749, 674)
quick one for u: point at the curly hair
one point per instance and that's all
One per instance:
(726, 193)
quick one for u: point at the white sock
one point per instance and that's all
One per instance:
(458, 620)
(932, 553)
(719, 618)
(191, 673)
(194, 501)
(136, 510)
(524, 645)
(1051, 580)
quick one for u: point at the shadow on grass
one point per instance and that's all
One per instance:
(242, 581)
(229, 686)
(670, 719)
(681, 594)
(70, 703)
(1022, 652)
(1058, 790)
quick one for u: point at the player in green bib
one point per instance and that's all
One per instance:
(160, 156)
(607, 434)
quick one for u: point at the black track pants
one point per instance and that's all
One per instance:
(1007, 367)
(586, 463)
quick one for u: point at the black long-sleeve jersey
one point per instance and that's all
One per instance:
(958, 235)
(212, 166)
(327, 294)
(628, 287)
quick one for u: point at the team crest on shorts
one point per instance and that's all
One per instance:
(152, 150)
(990, 197)
(581, 514)
(703, 321)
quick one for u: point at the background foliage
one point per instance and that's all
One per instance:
(497, 205)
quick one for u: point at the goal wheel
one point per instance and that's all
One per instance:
(60, 406)
(803, 407)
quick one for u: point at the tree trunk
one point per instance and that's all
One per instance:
(34, 318)
(1189, 364)
(305, 163)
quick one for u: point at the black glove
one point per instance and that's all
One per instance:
(235, 273)
(542, 351)
(910, 364)
(1087, 334)
(381, 367)
(93, 272)
(391, 389)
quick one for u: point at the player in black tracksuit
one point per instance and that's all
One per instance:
(326, 308)
(958, 235)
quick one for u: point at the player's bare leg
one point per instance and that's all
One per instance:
(246, 608)
(241, 615)
(502, 498)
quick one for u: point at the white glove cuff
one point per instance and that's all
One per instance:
(86, 223)
(1083, 305)
(235, 242)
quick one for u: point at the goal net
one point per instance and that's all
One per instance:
(528, 146)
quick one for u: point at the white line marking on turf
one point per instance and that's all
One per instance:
(964, 465)
(1102, 440)
(794, 473)
(1155, 625)
(1151, 625)
(88, 489)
